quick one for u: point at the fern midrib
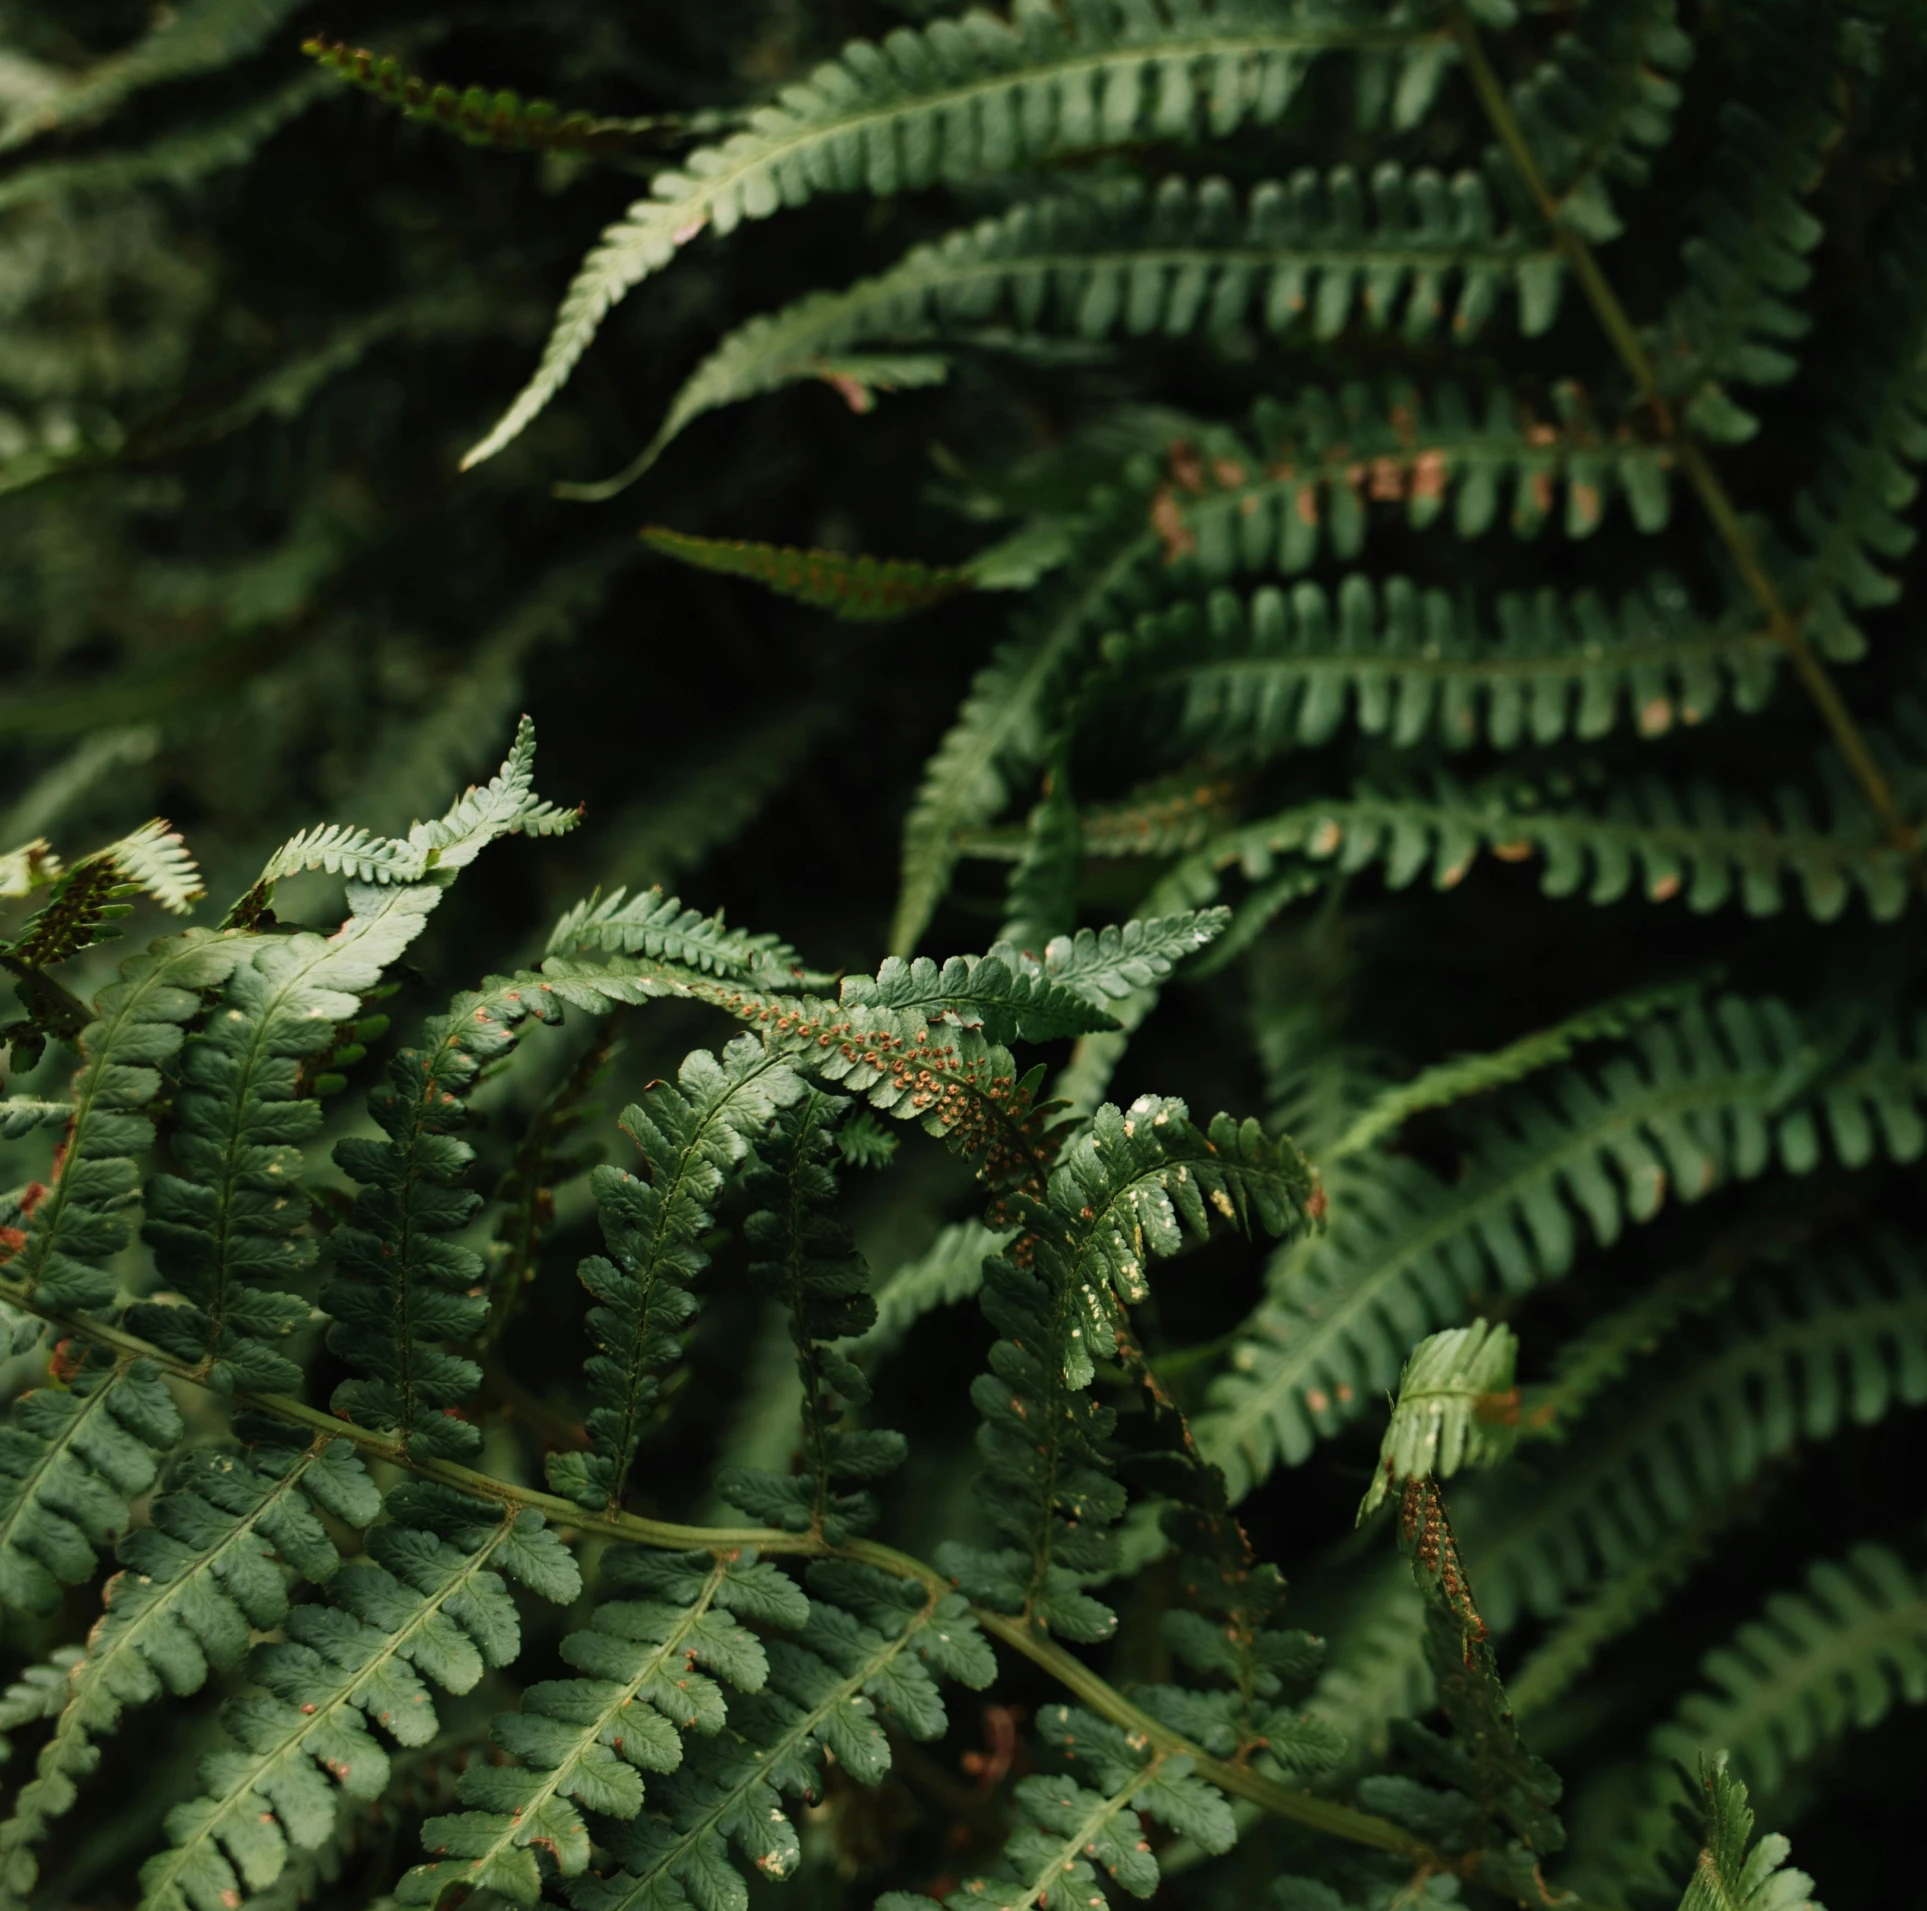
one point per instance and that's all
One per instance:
(52, 1451)
(176, 1857)
(773, 150)
(1295, 1366)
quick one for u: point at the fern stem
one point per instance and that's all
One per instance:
(1693, 461)
(1317, 1814)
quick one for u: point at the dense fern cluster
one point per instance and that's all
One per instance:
(1342, 560)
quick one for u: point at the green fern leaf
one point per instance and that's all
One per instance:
(862, 590)
(658, 927)
(1456, 1406)
(1732, 1871)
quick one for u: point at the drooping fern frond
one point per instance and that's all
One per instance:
(72, 1459)
(1411, 249)
(812, 1269)
(1691, 1103)
(1283, 670)
(586, 1742)
(690, 1133)
(961, 99)
(861, 590)
(426, 1603)
(193, 1586)
(1456, 1406)
(1130, 1187)
(1068, 1829)
(399, 1291)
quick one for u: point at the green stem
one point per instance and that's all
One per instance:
(1319, 1814)
(1700, 474)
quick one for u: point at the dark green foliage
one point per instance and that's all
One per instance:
(861, 589)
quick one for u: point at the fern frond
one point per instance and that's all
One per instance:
(21, 1115)
(1008, 996)
(1833, 1658)
(1602, 105)
(949, 1270)
(35, 1697)
(200, 36)
(479, 117)
(1710, 845)
(1735, 321)
(690, 1134)
(72, 1460)
(400, 1291)
(32, 866)
(86, 1215)
(585, 1742)
(228, 1230)
(1249, 678)
(958, 100)
(506, 806)
(823, 1285)
(91, 893)
(1853, 519)
(658, 927)
(1733, 1872)
(426, 1603)
(1067, 1829)
(1133, 1185)
(194, 1584)
(1456, 1406)
(861, 590)
(1693, 1101)
(1409, 248)
(826, 1686)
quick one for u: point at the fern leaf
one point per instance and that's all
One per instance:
(950, 1270)
(1735, 321)
(90, 894)
(32, 866)
(399, 1290)
(1702, 842)
(200, 36)
(823, 1285)
(71, 1462)
(955, 101)
(1252, 678)
(427, 1603)
(1691, 1103)
(228, 1231)
(826, 1686)
(35, 1697)
(861, 590)
(1732, 1871)
(1602, 104)
(1409, 248)
(690, 1134)
(194, 1584)
(1456, 1406)
(86, 1215)
(586, 1742)
(658, 927)
(1007, 998)
(479, 117)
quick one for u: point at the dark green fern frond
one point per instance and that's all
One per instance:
(1409, 249)
(1252, 677)
(861, 590)
(585, 1742)
(810, 1266)
(73, 1458)
(426, 1603)
(400, 1292)
(502, 119)
(195, 1584)
(963, 99)
(690, 1133)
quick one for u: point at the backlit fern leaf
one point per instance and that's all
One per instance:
(962, 99)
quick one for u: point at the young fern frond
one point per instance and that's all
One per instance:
(399, 1292)
(964, 99)
(1254, 677)
(1694, 1102)
(814, 1272)
(427, 1603)
(690, 1133)
(1456, 1406)
(860, 590)
(193, 1584)
(1411, 249)
(585, 1742)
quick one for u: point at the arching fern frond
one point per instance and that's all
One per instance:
(1411, 249)
(957, 100)
(861, 590)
